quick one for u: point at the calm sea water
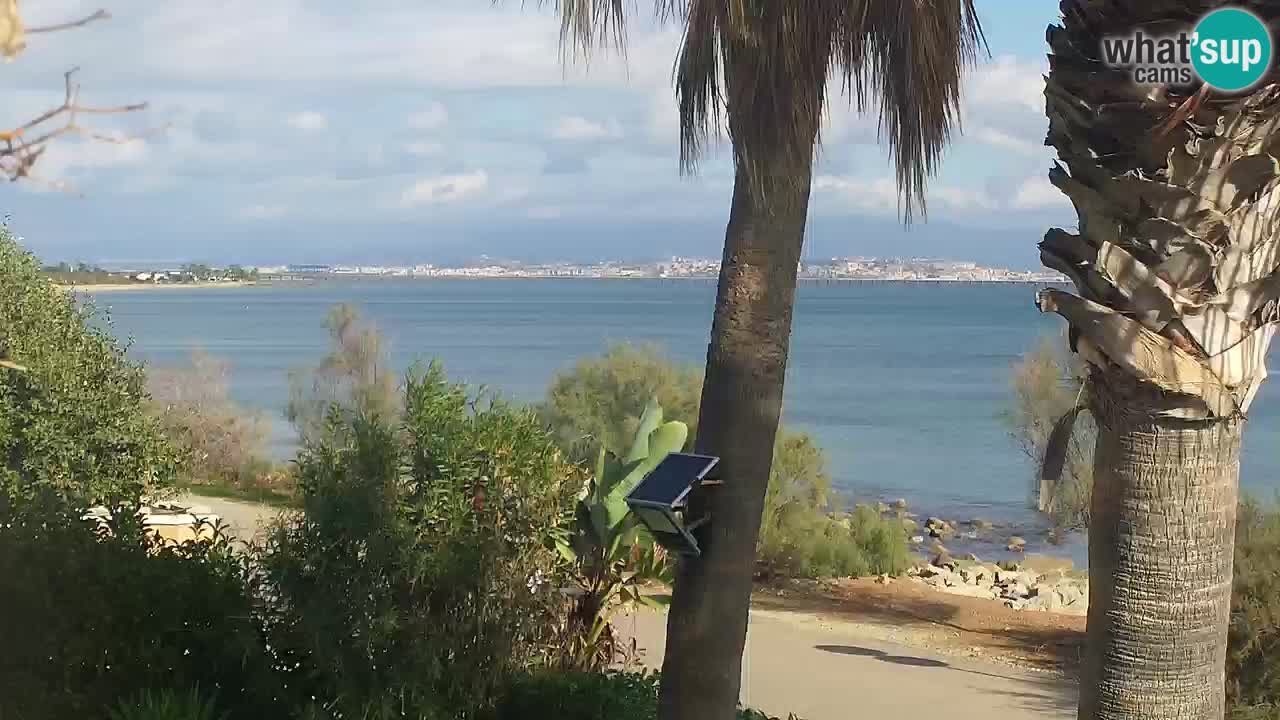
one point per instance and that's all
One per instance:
(904, 385)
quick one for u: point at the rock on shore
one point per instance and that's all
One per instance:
(1021, 589)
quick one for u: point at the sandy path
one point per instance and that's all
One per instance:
(819, 671)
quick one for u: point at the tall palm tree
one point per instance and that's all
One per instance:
(767, 64)
(1175, 265)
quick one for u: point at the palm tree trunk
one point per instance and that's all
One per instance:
(741, 404)
(1161, 541)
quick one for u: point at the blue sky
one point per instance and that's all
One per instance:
(439, 130)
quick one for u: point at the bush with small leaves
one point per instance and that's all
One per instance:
(421, 573)
(74, 420)
(95, 618)
(589, 696)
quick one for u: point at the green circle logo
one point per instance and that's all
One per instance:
(1231, 49)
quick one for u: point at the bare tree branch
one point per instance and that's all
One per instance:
(100, 15)
(22, 146)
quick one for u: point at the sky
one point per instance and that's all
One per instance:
(437, 131)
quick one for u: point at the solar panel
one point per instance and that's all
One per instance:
(670, 482)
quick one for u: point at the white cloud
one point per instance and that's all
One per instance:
(264, 212)
(434, 117)
(961, 199)
(1037, 193)
(576, 128)
(423, 148)
(308, 121)
(1006, 141)
(869, 194)
(1007, 81)
(880, 195)
(444, 189)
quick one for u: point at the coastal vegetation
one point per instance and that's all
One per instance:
(219, 442)
(72, 421)
(424, 575)
(803, 530)
(354, 379)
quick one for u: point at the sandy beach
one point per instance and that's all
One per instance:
(120, 287)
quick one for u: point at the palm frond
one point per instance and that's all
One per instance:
(766, 65)
(908, 57)
(589, 24)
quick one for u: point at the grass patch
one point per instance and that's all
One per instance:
(265, 496)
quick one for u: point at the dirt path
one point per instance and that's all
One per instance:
(244, 520)
(824, 671)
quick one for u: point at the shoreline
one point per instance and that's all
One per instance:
(124, 287)
(682, 278)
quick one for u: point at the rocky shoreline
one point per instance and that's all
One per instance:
(1019, 581)
(1018, 587)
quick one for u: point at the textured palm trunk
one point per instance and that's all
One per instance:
(1162, 535)
(1177, 268)
(741, 405)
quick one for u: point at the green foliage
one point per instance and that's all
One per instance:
(74, 421)
(218, 442)
(599, 403)
(581, 696)
(807, 544)
(1253, 655)
(94, 620)
(354, 379)
(421, 574)
(1046, 383)
(603, 543)
(167, 705)
(589, 696)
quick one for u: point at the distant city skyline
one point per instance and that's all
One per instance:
(838, 268)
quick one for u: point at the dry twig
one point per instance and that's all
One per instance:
(22, 146)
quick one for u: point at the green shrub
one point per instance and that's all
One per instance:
(74, 420)
(167, 705)
(581, 696)
(600, 402)
(588, 696)
(421, 575)
(93, 620)
(816, 545)
(1253, 657)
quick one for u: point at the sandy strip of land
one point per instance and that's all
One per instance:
(120, 287)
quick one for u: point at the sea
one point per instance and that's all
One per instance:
(905, 385)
